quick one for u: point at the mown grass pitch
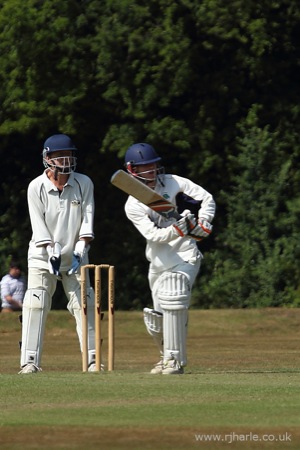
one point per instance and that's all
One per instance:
(240, 390)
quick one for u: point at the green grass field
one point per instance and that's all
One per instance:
(240, 390)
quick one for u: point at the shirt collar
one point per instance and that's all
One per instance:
(50, 186)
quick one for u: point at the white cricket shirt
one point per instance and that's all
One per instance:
(13, 286)
(164, 248)
(57, 216)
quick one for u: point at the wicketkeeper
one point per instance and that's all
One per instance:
(171, 250)
(61, 208)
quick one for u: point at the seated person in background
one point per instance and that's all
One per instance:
(13, 287)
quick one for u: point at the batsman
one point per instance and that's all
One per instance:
(172, 251)
(61, 209)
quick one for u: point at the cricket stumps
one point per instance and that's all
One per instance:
(98, 271)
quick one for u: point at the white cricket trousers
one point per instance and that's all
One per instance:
(40, 280)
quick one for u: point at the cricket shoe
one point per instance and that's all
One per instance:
(157, 369)
(30, 368)
(172, 367)
(92, 367)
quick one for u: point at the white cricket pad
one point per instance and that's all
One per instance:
(36, 305)
(174, 290)
(154, 324)
(75, 309)
(174, 294)
(175, 334)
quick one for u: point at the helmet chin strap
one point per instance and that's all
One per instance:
(159, 178)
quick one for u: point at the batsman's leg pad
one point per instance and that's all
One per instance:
(154, 324)
(36, 305)
(74, 306)
(175, 333)
(174, 289)
(174, 295)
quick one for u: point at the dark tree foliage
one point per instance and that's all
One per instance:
(212, 84)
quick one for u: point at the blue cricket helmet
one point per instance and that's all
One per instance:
(58, 142)
(141, 153)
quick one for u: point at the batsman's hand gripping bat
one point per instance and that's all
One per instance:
(132, 186)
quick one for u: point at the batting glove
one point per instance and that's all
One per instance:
(78, 254)
(202, 229)
(186, 224)
(54, 260)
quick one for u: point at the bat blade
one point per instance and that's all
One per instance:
(144, 194)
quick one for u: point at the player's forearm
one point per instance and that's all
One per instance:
(150, 231)
(208, 209)
(12, 302)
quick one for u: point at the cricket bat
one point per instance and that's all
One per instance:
(144, 194)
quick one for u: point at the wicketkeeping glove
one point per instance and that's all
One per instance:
(78, 254)
(54, 260)
(186, 224)
(202, 229)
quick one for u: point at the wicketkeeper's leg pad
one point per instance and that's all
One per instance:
(154, 324)
(36, 305)
(74, 306)
(174, 294)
